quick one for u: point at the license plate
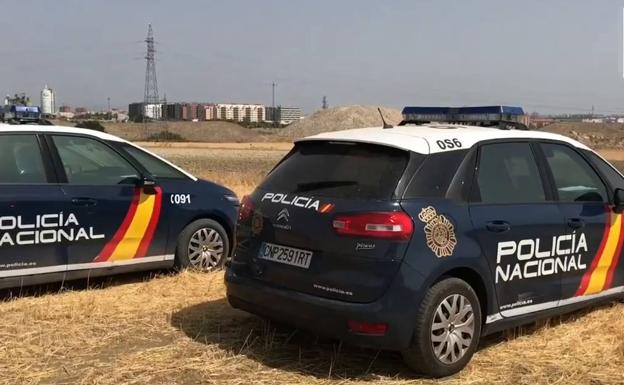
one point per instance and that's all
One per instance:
(285, 255)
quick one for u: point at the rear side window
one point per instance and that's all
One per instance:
(340, 170)
(88, 161)
(611, 174)
(435, 175)
(574, 178)
(20, 160)
(156, 167)
(508, 173)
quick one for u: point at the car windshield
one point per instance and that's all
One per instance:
(339, 169)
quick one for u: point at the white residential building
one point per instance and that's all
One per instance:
(236, 112)
(48, 106)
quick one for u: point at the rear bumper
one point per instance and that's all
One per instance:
(328, 317)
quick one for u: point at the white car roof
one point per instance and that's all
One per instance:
(424, 139)
(62, 129)
(83, 131)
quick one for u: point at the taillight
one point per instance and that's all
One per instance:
(246, 208)
(387, 225)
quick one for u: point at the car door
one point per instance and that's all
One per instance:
(595, 231)
(117, 218)
(32, 220)
(516, 222)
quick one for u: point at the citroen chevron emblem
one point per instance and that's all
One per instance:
(283, 215)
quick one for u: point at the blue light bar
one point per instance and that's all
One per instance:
(481, 114)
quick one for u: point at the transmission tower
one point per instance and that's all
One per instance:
(151, 84)
(324, 105)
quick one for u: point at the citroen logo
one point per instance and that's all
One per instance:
(283, 215)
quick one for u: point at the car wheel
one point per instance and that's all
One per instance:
(203, 245)
(447, 330)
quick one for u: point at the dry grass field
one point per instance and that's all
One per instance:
(167, 328)
(240, 166)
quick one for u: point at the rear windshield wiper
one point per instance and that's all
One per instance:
(319, 185)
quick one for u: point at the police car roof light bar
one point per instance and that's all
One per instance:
(503, 117)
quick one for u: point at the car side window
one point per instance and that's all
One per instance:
(156, 167)
(607, 170)
(435, 175)
(508, 173)
(20, 160)
(88, 161)
(574, 178)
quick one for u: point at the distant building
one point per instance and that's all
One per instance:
(152, 111)
(65, 108)
(135, 111)
(593, 120)
(80, 110)
(65, 114)
(236, 112)
(47, 101)
(139, 110)
(283, 115)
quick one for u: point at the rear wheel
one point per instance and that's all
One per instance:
(203, 245)
(447, 330)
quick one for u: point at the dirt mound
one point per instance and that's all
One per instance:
(341, 118)
(594, 135)
(191, 131)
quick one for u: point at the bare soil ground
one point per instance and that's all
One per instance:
(179, 329)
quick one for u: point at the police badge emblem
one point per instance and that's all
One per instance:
(256, 223)
(439, 232)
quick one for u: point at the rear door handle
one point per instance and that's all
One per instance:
(576, 223)
(497, 226)
(84, 202)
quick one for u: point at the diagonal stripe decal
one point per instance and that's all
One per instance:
(119, 234)
(135, 234)
(600, 275)
(151, 227)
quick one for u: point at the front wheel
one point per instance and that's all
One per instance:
(447, 330)
(203, 245)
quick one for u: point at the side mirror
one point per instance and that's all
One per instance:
(148, 184)
(618, 200)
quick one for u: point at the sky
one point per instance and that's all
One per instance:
(547, 56)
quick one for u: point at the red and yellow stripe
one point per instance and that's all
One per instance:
(133, 238)
(599, 277)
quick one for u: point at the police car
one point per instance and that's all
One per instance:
(424, 237)
(77, 203)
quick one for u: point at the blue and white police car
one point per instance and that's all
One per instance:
(424, 237)
(77, 203)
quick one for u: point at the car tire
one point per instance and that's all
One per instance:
(203, 245)
(438, 347)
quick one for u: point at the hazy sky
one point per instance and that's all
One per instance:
(549, 56)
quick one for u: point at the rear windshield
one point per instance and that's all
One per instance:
(339, 170)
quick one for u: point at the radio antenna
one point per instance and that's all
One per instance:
(385, 125)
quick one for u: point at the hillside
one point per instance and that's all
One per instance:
(595, 135)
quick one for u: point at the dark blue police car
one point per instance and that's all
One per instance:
(77, 203)
(424, 237)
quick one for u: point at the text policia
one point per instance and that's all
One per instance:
(535, 258)
(43, 228)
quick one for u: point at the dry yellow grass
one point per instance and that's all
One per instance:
(179, 329)
(240, 166)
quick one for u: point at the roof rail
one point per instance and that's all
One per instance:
(502, 117)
